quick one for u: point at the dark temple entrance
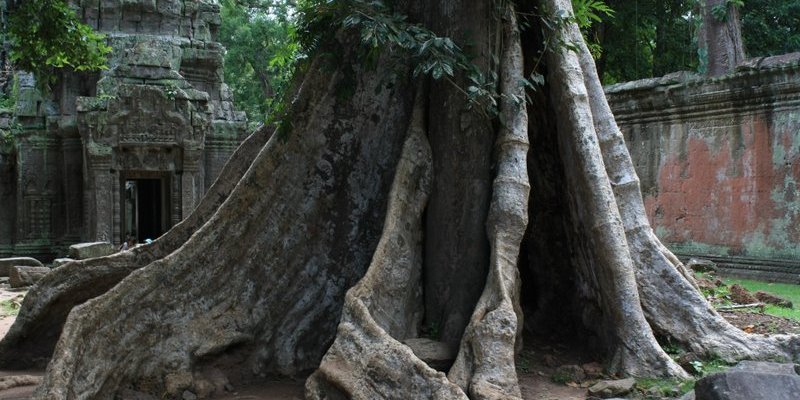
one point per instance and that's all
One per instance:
(145, 207)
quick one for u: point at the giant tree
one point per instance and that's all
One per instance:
(387, 202)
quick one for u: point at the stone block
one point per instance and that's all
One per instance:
(612, 388)
(437, 355)
(7, 263)
(22, 276)
(61, 261)
(82, 251)
(751, 380)
(701, 265)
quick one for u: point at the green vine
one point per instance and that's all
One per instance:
(381, 31)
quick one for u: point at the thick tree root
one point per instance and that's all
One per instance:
(31, 339)
(485, 365)
(367, 359)
(259, 287)
(626, 332)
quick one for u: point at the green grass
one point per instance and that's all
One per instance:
(785, 290)
(665, 386)
(8, 308)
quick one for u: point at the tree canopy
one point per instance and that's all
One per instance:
(261, 44)
(649, 38)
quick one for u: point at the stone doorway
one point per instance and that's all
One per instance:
(145, 205)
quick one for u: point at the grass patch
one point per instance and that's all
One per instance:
(664, 386)
(785, 290)
(8, 308)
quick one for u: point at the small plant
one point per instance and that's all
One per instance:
(561, 377)
(698, 367)
(670, 387)
(171, 90)
(524, 361)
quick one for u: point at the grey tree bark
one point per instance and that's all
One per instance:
(720, 39)
(343, 236)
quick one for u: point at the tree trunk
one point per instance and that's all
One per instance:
(720, 38)
(385, 184)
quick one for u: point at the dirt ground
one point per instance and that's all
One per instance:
(537, 363)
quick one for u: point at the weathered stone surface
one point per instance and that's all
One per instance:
(8, 382)
(7, 263)
(612, 388)
(438, 355)
(177, 382)
(751, 380)
(160, 112)
(701, 265)
(593, 370)
(61, 261)
(21, 276)
(83, 251)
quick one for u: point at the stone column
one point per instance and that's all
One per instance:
(38, 185)
(192, 186)
(100, 206)
(73, 189)
(8, 193)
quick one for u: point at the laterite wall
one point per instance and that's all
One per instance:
(719, 162)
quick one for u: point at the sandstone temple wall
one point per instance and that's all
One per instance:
(160, 113)
(719, 163)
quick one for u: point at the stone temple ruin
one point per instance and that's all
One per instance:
(126, 152)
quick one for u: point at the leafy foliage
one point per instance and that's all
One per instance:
(771, 27)
(647, 38)
(261, 39)
(383, 31)
(588, 13)
(651, 38)
(46, 35)
(720, 11)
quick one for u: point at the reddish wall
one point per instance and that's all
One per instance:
(719, 160)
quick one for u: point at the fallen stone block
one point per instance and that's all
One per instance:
(22, 276)
(438, 355)
(61, 261)
(82, 251)
(700, 265)
(6, 263)
(751, 380)
(612, 388)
